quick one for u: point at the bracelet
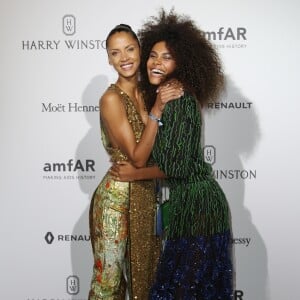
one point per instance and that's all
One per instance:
(155, 118)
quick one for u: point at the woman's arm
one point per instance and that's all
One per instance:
(124, 171)
(119, 130)
(177, 147)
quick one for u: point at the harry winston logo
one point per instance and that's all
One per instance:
(72, 285)
(209, 154)
(69, 25)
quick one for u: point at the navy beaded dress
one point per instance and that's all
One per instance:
(196, 262)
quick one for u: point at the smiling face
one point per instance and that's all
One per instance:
(124, 53)
(160, 63)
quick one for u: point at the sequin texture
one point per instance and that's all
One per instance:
(122, 227)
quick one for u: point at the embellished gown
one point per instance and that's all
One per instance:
(196, 262)
(125, 247)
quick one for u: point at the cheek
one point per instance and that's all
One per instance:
(136, 55)
(113, 59)
(138, 59)
(171, 67)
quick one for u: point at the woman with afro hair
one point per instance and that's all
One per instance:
(196, 261)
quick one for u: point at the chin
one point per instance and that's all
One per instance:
(155, 81)
(128, 74)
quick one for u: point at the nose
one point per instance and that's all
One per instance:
(157, 60)
(124, 56)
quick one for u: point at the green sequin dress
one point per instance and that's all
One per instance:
(196, 262)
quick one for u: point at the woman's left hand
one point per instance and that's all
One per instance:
(168, 91)
(123, 171)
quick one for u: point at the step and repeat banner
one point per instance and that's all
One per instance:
(54, 69)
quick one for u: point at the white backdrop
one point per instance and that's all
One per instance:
(53, 71)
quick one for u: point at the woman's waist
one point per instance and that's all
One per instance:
(114, 193)
(116, 154)
(206, 190)
(198, 179)
(117, 193)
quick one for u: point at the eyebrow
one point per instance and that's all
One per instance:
(167, 52)
(162, 54)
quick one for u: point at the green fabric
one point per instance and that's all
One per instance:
(197, 204)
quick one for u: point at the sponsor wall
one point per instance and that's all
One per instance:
(54, 69)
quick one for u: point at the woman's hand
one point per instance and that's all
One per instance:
(168, 91)
(123, 171)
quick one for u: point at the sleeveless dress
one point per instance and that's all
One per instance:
(196, 262)
(125, 247)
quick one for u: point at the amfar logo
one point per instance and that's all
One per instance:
(228, 37)
(233, 34)
(67, 170)
(73, 285)
(209, 154)
(71, 166)
(69, 25)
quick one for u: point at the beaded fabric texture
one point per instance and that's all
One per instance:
(122, 227)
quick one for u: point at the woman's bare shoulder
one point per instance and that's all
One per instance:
(110, 97)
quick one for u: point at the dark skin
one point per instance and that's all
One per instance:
(124, 55)
(124, 171)
(160, 64)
